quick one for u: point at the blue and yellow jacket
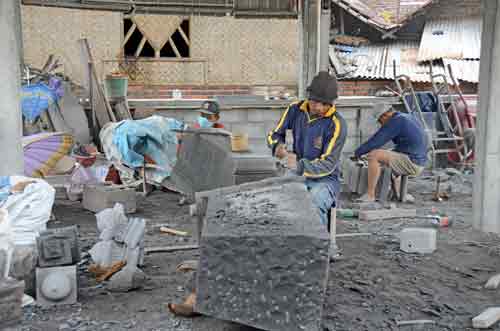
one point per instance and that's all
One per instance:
(317, 142)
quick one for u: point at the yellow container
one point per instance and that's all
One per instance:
(239, 142)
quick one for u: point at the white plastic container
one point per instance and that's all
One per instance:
(418, 240)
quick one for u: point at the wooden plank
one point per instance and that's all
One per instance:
(167, 249)
(176, 51)
(350, 235)
(342, 24)
(382, 214)
(184, 36)
(141, 46)
(122, 111)
(98, 97)
(164, 229)
(129, 34)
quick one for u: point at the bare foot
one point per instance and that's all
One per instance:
(185, 309)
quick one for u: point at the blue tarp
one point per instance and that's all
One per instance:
(427, 101)
(37, 98)
(153, 137)
(4, 187)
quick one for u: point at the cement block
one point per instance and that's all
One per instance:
(351, 174)
(356, 179)
(97, 198)
(23, 264)
(234, 116)
(56, 286)
(418, 240)
(350, 146)
(486, 319)
(350, 113)
(254, 163)
(263, 258)
(264, 115)
(188, 116)
(24, 261)
(58, 247)
(11, 297)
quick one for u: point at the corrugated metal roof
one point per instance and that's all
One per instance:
(377, 61)
(466, 70)
(383, 14)
(457, 38)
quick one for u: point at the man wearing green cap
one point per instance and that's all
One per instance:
(209, 116)
(409, 155)
(319, 133)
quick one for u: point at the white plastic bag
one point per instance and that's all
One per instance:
(109, 219)
(6, 243)
(82, 176)
(29, 211)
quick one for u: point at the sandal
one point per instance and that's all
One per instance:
(364, 198)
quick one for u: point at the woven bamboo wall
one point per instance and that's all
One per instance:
(224, 50)
(256, 51)
(57, 31)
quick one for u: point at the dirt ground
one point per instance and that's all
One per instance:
(371, 287)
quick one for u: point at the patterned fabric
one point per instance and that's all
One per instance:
(43, 151)
(402, 165)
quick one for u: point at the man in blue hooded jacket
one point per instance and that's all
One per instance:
(319, 133)
(409, 155)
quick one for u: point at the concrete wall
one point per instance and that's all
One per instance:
(10, 106)
(486, 195)
(224, 50)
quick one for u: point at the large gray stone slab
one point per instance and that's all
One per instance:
(205, 161)
(213, 324)
(263, 257)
